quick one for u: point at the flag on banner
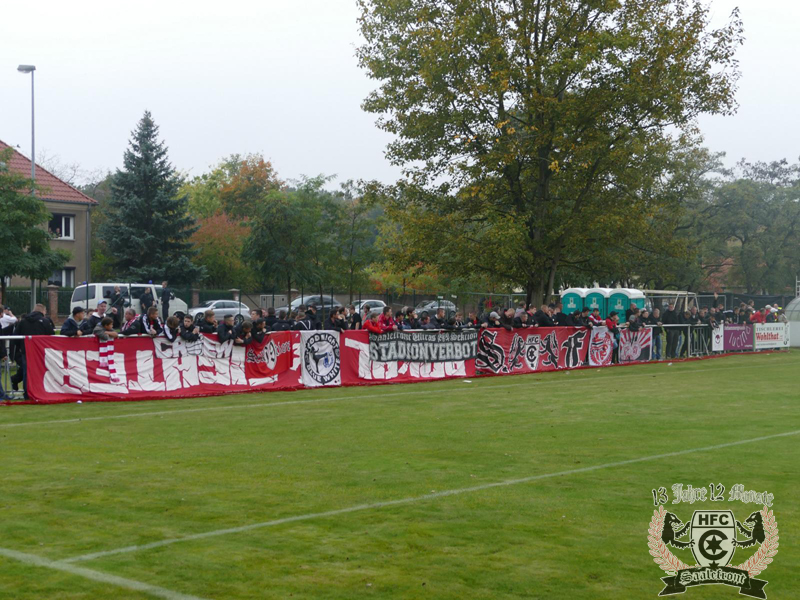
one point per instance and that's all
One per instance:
(718, 339)
(270, 357)
(635, 346)
(320, 358)
(601, 347)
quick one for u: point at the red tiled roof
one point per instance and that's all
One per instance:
(52, 188)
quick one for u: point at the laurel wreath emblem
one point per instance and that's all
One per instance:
(671, 564)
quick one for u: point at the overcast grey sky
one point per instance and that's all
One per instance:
(280, 78)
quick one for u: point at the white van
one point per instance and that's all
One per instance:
(87, 296)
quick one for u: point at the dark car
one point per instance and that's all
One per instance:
(323, 303)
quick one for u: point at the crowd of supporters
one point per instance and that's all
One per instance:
(106, 324)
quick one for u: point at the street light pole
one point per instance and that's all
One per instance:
(30, 69)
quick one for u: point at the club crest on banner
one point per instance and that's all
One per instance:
(601, 347)
(320, 352)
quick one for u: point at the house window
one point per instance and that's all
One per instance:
(63, 277)
(62, 227)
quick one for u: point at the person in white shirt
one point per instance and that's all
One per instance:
(7, 317)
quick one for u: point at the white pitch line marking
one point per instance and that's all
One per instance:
(409, 500)
(129, 584)
(381, 396)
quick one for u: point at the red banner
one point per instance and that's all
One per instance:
(503, 352)
(68, 369)
(64, 369)
(269, 358)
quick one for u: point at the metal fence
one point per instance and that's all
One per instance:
(18, 299)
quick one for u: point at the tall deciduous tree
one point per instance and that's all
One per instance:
(147, 229)
(250, 179)
(24, 240)
(527, 128)
(291, 240)
(354, 235)
(758, 215)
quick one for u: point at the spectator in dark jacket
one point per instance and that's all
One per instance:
(308, 322)
(189, 331)
(209, 324)
(312, 317)
(281, 324)
(544, 318)
(426, 323)
(226, 330)
(88, 325)
(440, 318)
(150, 324)
(559, 317)
(673, 335)
(259, 330)
(353, 317)
(521, 320)
(166, 296)
(270, 319)
(130, 324)
(116, 306)
(493, 320)
(336, 321)
(72, 326)
(507, 319)
(35, 323)
(582, 320)
(654, 320)
(146, 300)
(244, 333)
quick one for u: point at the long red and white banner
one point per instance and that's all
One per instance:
(68, 369)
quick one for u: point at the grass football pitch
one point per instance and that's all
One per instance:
(531, 486)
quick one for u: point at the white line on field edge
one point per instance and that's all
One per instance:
(381, 396)
(130, 584)
(442, 494)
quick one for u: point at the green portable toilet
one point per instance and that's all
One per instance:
(620, 301)
(572, 299)
(597, 298)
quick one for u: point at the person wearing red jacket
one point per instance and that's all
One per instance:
(386, 321)
(372, 324)
(759, 316)
(611, 323)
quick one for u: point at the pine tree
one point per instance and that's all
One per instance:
(148, 226)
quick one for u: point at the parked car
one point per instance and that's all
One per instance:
(323, 303)
(367, 306)
(239, 310)
(432, 306)
(88, 296)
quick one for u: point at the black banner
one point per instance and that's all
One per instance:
(687, 578)
(423, 346)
